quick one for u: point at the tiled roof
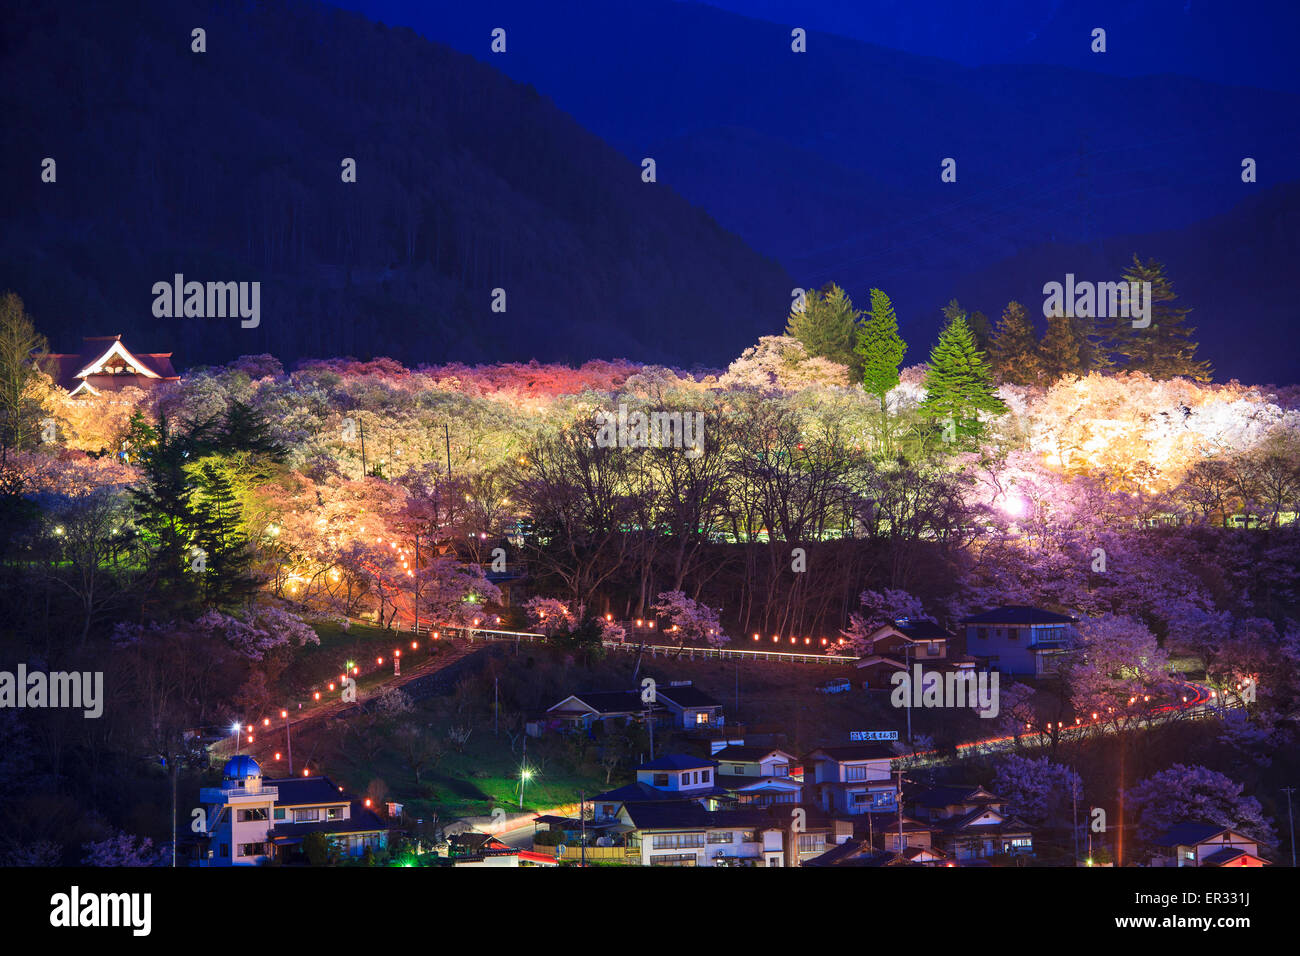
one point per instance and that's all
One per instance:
(678, 762)
(1227, 855)
(66, 365)
(686, 696)
(1188, 834)
(855, 752)
(742, 754)
(298, 791)
(921, 629)
(611, 702)
(1018, 614)
(939, 797)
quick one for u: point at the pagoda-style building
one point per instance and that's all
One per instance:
(104, 364)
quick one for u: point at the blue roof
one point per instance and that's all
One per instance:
(1018, 614)
(241, 767)
(677, 762)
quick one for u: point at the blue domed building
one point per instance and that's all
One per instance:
(250, 820)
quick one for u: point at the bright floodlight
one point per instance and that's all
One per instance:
(1015, 506)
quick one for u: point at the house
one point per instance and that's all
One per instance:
(105, 364)
(690, 708)
(672, 777)
(862, 852)
(856, 853)
(684, 833)
(248, 820)
(758, 776)
(582, 712)
(1016, 639)
(970, 823)
(476, 849)
(1206, 844)
(853, 779)
(893, 648)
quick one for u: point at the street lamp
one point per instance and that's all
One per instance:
(524, 776)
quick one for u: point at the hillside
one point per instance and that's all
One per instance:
(225, 166)
(829, 161)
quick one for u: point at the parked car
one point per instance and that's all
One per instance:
(841, 685)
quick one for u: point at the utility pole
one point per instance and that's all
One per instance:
(1291, 820)
(361, 422)
(172, 768)
(288, 739)
(907, 669)
(1074, 794)
(650, 719)
(898, 799)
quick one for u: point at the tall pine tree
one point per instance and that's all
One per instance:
(1063, 348)
(827, 326)
(1164, 349)
(880, 348)
(958, 386)
(1013, 351)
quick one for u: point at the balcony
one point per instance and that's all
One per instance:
(225, 795)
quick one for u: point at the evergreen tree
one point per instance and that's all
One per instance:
(959, 387)
(161, 502)
(1062, 348)
(880, 348)
(217, 524)
(1164, 349)
(1013, 351)
(22, 353)
(827, 326)
(244, 428)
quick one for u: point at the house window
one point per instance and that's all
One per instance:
(855, 773)
(673, 859)
(279, 813)
(1013, 633)
(780, 770)
(704, 775)
(810, 842)
(701, 717)
(252, 849)
(334, 813)
(306, 816)
(256, 813)
(661, 780)
(686, 780)
(737, 768)
(860, 798)
(720, 836)
(676, 841)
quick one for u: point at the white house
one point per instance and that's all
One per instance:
(248, 820)
(1206, 844)
(853, 779)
